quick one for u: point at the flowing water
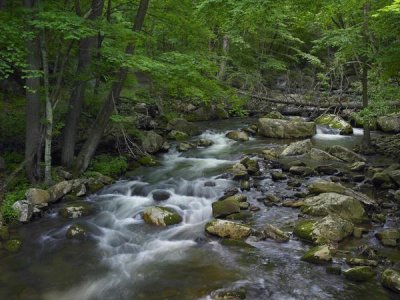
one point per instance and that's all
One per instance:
(128, 259)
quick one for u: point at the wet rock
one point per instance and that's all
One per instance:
(177, 135)
(359, 274)
(77, 232)
(274, 115)
(13, 245)
(75, 210)
(95, 186)
(184, 126)
(225, 208)
(239, 171)
(345, 154)
(324, 186)
(244, 205)
(24, 209)
(358, 232)
(336, 122)
(148, 161)
(367, 251)
(251, 165)
(161, 216)
(318, 255)
(245, 185)
(230, 295)
(237, 135)
(361, 262)
(391, 280)
(301, 171)
(204, 143)
(382, 180)
(304, 229)
(210, 184)
(242, 216)
(227, 229)
(293, 204)
(165, 147)
(333, 203)
(152, 142)
(270, 154)
(37, 196)
(275, 233)
(275, 128)
(270, 198)
(320, 155)
(390, 123)
(255, 208)
(331, 229)
(326, 170)
(235, 197)
(293, 183)
(389, 237)
(60, 189)
(358, 166)
(297, 148)
(183, 147)
(278, 175)
(161, 195)
(229, 192)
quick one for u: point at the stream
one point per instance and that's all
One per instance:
(125, 258)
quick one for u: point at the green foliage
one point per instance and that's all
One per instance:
(9, 214)
(109, 165)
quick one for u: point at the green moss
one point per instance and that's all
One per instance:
(361, 273)
(240, 216)
(177, 135)
(12, 245)
(148, 161)
(312, 257)
(225, 208)
(235, 243)
(9, 214)
(304, 229)
(172, 218)
(109, 165)
(95, 186)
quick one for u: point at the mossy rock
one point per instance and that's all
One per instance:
(95, 186)
(359, 274)
(304, 229)
(236, 243)
(161, 216)
(274, 115)
(241, 216)
(148, 161)
(177, 135)
(225, 208)
(231, 295)
(391, 280)
(13, 245)
(75, 210)
(318, 255)
(76, 231)
(228, 229)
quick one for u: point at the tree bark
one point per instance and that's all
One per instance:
(101, 122)
(364, 80)
(32, 139)
(86, 47)
(225, 49)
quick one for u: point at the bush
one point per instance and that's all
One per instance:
(9, 214)
(109, 165)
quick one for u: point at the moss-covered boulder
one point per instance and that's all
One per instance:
(161, 216)
(336, 122)
(239, 171)
(183, 126)
(152, 142)
(382, 180)
(148, 161)
(332, 203)
(359, 274)
(177, 135)
(304, 229)
(37, 196)
(389, 237)
(13, 245)
(237, 135)
(297, 148)
(77, 232)
(286, 129)
(185, 146)
(318, 255)
(275, 233)
(301, 170)
(391, 280)
(323, 186)
(251, 165)
(345, 154)
(74, 210)
(228, 229)
(237, 197)
(390, 123)
(225, 207)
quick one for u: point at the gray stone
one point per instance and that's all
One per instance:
(161, 216)
(345, 154)
(37, 196)
(320, 155)
(228, 229)
(237, 135)
(390, 123)
(152, 142)
(24, 209)
(297, 148)
(275, 128)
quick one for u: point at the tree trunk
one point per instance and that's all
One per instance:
(86, 46)
(225, 49)
(32, 139)
(364, 81)
(101, 122)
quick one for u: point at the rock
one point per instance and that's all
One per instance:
(303, 229)
(389, 237)
(358, 232)
(332, 203)
(395, 176)
(320, 155)
(183, 147)
(24, 209)
(318, 255)
(94, 186)
(274, 115)
(239, 136)
(301, 170)
(161, 195)
(225, 208)
(13, 245)
(297, 148)
(285, 129)
(236, 197)
(210, 184)
(275, 233)
(391, 280)
(238, 294)
(148, 161)
(161, 216)
(239, 171)
(358, 166)
(390, 123)
(204, 143)
(245, 185)
(336, 122)
(270, 154)
(382, 180)
(359, 274)
(324, 186)
(278, 175)
(60, 189)
(228, 229)
(243, 215)
(177, 135)
(37, 196)
(396, 195)
(361, 262)
(345, 154)
(77, 232)
(165, 147)
(184, 126)
(244, 205)
(64, 174)
(76, 210)
(152, 142)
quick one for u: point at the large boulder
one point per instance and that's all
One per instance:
(238, 135)
(390, 123)
(184, 126)
(345, 154)
(228, 229)
(274, 115)
(37, 196)
(61, 189)
(336, 122)
(161, 216)
(321, 155)
(152, 142)
(332, 203)
(24, 209)
(225, 207)
(297, 148)
(286, 129)
(389, 237)
(391, 280)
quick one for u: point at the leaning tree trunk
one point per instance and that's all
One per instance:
(32, 139)
(101, 122)
(86, 46)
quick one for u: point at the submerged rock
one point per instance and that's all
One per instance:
(391, 280)
(275, 128)
(336, 122)
(318, 255)
(237, 135)
(161, 216)
(359, 274)
(297, 148)
(161, 195)
(228, 229)
(76, 231)
(13, 245)
(76, 210)
(275, 233)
